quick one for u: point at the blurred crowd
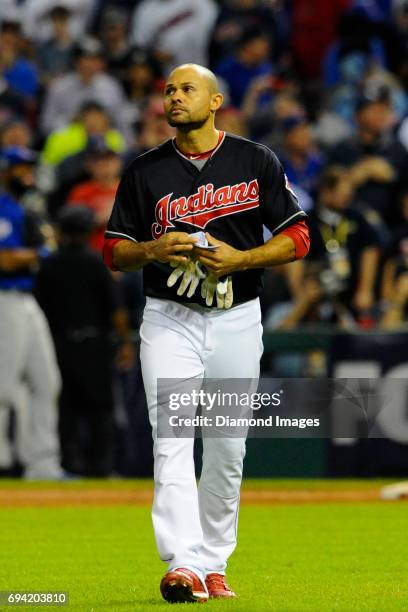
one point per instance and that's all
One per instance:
(324, 84)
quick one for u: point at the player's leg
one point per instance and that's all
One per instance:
(70, 406)
(13, 330)
(6, 454)
(96, 356)
(43, 378)
(236, 338)
(170, 347)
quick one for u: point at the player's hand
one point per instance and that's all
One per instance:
(222, 261)
(191, 273)
(172, 248)
(222, 290)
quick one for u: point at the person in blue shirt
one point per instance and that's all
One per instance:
(251, 60)
(26, 348)
(300, 157)
(19, 73)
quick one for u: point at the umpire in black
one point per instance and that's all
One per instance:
(80, 299)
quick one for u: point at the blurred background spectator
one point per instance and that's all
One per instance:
(346, 246)
(87, 82)
(250, 60)
(54, 55)
(379, 162)
(324, 84)
(177, 30)
(299, 154)
(113, 32)
(98, 193)
(91, 121)
(19, 75)
(238, 16)
(37, 17)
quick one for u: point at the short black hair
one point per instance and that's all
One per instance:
(59, 11)
(332, 176)
(91, 106)
(9, 25)
(76, 221)
(250, 34)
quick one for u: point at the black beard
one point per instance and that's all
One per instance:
(188, 126)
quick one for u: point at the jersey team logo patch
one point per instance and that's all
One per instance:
(205, 205)
(6, 228)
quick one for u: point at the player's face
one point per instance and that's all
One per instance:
(187, 99)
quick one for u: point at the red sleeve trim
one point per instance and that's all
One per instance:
(107, 252)
(299, 232)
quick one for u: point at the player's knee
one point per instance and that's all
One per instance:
(223, 452)
(47, 386)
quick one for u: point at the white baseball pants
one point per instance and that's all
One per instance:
(27, 354)
(196, 527)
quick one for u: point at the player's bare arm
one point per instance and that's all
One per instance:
(226, 259)
(169, 248)
(15, 259)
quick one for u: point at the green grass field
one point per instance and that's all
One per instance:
(334, 556)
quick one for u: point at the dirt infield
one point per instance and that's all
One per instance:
(143, 497)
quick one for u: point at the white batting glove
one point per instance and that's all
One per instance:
(191, 273)
(221, 289)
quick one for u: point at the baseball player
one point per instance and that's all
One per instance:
(202, 317)
(26, 348)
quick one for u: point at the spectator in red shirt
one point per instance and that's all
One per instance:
(104, 165)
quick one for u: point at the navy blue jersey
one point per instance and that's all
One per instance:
(241, 187)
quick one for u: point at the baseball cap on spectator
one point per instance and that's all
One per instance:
(97, 148)
(14, 156)
(376, 95)
(76, 220)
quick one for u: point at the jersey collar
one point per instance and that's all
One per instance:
(173, 141)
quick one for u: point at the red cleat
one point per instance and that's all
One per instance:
(181, 585)
(217, 586)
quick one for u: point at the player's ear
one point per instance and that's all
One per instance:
(216, 101)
